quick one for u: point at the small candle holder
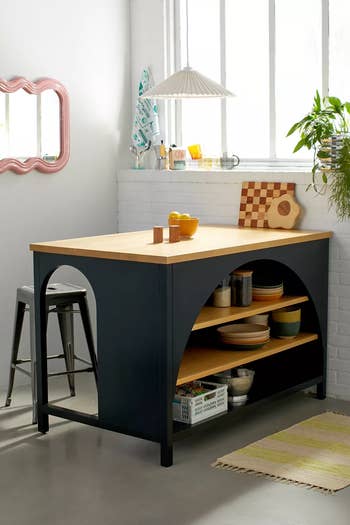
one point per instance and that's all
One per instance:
(157, 234)
(174, 233)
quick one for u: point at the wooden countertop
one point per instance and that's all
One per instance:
(209, 241)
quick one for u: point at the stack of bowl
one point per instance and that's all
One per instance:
(244, 336)
(267, 292)
(237, 387)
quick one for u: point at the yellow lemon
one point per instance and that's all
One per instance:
(174, 215)
(185, 216)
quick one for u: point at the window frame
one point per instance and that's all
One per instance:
(173, 109)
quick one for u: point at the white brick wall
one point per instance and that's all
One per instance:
(146, 197)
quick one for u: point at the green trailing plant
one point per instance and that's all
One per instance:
(339, 183)
(319, 130)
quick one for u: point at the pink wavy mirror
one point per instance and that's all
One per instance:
(34, 125)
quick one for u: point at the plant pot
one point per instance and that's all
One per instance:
(335, 170)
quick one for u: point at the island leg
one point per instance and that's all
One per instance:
(321, 391)
(166, 454)
(41, 345)
(167, 374)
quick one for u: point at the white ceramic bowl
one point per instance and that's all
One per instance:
(237, 401)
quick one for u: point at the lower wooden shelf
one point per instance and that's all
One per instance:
(181, 430)
(202, 361)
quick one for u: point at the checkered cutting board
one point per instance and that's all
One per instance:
(256, 198)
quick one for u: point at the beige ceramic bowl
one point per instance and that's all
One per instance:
(243, 331)
(237, 386)
(257, 319)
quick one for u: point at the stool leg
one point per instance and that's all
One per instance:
(20, 309)
(65, 321)
(33, 365)
(85, 317)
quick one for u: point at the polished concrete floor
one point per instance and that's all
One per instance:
(82, 475)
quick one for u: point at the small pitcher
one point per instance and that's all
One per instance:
(228, 163)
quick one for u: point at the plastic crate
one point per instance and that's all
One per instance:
(194, 409)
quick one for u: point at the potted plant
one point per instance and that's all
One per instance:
(325, 130)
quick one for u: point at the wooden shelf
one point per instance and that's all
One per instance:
(202, 361)
(212, 316)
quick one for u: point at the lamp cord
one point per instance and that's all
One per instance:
(187, 47)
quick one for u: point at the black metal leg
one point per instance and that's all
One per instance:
(321, 392)
(166, 455)
(66, 324)
(85, 317)
(20, 309)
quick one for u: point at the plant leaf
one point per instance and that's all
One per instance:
(335, 102)
(299, 145)
(293, 128)
(317, 101)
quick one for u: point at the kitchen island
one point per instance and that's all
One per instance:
(152, 299)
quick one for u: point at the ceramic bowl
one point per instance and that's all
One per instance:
(286, 322)
(243, 331)
(270, 291)
(237, 401)
(188, 227)
(268, 297)
(236, 386)
(245, 347)
(257, 319)
(266, 283)
(241, 385)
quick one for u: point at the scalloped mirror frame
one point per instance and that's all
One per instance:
(10, 86)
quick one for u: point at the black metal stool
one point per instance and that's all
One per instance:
(61, 297)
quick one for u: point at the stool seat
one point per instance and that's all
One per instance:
(53, 291)
(62, 296)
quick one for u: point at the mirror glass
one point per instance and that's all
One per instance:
(30, 125)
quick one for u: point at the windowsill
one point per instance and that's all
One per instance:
(299, 174)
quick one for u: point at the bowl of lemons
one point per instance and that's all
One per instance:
(188, 225)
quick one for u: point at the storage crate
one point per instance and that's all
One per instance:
(194, 409)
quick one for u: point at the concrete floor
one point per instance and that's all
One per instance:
(82, 475)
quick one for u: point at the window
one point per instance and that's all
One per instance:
(273, 54)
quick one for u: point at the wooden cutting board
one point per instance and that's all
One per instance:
(256, 198)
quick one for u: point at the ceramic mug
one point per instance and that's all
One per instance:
(228, 163)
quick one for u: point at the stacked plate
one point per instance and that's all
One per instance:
(244, 336)
(267, 292)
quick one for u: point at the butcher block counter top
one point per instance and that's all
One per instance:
(209, 241)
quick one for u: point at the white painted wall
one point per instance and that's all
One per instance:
(145, 199)
(86, 45)
(148, 50)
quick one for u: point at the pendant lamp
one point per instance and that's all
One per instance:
(187, 83)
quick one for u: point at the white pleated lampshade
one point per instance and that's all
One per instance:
(187, 83)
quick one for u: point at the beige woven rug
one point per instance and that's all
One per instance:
(315, 453)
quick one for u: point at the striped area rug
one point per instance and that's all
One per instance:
(315, 453)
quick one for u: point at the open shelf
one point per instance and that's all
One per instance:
(202, 361)
(212, 316)
(181, 430)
